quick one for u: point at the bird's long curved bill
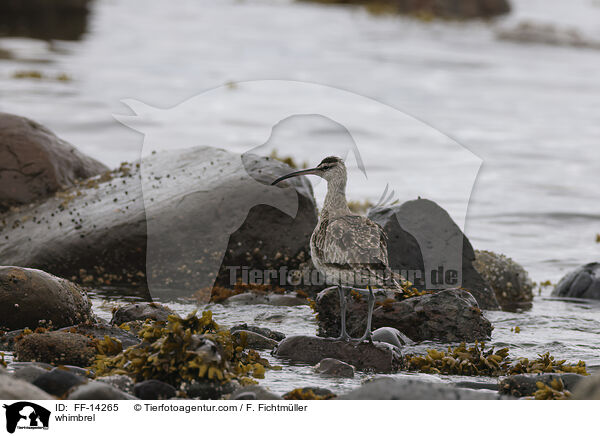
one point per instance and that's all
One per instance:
(296, 174)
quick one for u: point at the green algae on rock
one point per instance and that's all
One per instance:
(181, 350)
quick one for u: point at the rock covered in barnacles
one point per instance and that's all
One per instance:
(56, 348)
(583, 282)
(450, 315)
(508, 279)
(376, 356)
(388, 388)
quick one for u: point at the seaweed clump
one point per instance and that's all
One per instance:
(180, 350)
(2, 361)
(476, 360)
(553, 391)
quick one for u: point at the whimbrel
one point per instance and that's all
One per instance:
(349, 249)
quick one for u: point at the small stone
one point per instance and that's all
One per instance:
(272, 334)
(141, 312)
(391, 336)
(254, 340)
(120, 381)
(334, 367)
(58, 381)
(377, 356)
(154, 390)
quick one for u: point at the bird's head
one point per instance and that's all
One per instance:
(330, 168)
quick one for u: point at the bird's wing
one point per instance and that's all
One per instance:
(354, 240)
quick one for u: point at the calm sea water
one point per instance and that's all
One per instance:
(531, 113)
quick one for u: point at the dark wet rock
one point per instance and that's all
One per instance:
(583, 282)
(120, 381)
(47, 20)
(391, 336)
(254, 340)
(30, 297)
(141, 312)
(588, 389)
(56, 348)
(387, 388)
(12, 388)
(29, 372)
(524, 385)
(254, 392)
(99, 331)
(58, 381)
(154, 390)
(451, 315)
(96, 390)
(508, 279)
(335, 368)
(549, 34)
(309, 393)
(208, 389)
(99, 233)
(447, 9)
(427, 247)
(272, 334)
(35, 163)
(377, 356)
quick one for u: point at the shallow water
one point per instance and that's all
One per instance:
(530, 112)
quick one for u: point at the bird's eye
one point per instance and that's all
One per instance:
(325, 167)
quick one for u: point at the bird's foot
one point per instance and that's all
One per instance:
(366, 337)
(344, 337)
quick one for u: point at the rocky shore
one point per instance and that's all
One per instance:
(68, 226)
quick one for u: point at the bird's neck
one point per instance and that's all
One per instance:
(335, 201)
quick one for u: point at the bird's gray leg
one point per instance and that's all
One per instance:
(343, 335)
(371, 305)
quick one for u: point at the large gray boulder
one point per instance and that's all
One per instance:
(178, 221)
(583, 282)
(508, 279)
(376, 356)
(12, 388)
(387, 388)
(451, 315)
(30, 297)
(428, 248)
(35, 163)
